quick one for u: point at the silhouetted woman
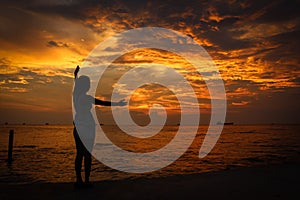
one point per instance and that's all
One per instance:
(84, 124)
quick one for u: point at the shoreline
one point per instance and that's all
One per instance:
(258, 182)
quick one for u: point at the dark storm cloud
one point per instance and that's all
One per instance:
(202, 17)
(235, 84)
(225, 41)
(288, 42)
(279, 11)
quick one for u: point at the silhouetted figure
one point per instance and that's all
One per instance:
(85, 124)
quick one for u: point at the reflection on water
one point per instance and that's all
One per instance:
(46, 153)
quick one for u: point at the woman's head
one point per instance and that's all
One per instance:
(82, 84)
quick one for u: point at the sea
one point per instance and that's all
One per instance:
(46, 153)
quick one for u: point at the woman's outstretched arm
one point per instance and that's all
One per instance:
(98, 101)
(108, 103)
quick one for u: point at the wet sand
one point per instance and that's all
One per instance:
(261, 182)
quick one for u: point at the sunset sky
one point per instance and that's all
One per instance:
(254, 44)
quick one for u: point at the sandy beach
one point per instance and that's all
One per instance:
(260, 182)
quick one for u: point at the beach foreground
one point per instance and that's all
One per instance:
(260, 182)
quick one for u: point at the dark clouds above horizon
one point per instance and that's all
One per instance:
(255, 44)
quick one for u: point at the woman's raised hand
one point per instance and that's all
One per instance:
(76, 71)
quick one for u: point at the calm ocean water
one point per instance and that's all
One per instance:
(46, 153)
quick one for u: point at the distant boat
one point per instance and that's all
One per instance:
(226, 123)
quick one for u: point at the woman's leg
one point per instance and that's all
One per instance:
(78, 164)
(79, 156)
(88, 158)
(87, 165)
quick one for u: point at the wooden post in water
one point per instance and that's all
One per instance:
(10, 145)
